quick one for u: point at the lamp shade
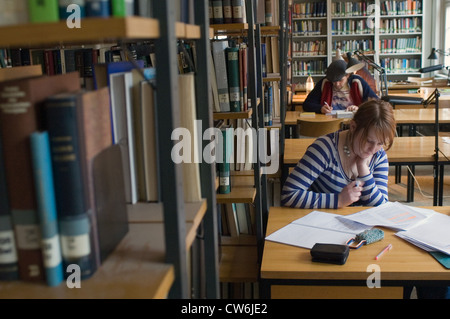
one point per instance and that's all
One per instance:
(353, 65)
(433, 55)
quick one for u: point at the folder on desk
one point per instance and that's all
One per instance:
(442, 258)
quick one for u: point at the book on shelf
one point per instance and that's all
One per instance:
(110, 204)
(8, 253)
(143, 8)
(46, 207)
(122, 8)
(220, 65)
(227, 11)
(43, 11)
(21, 113)
(214, 88)
(239, 12)
(102, 71)
(98, 8)
(232, 59)
(149, 144)
(13, 12)
(64, 11)
(224, 163)
(243, 60)
(191, 149)
(71, 191)
(121, 86)
(217, 9)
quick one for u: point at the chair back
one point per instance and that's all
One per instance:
(318, 128)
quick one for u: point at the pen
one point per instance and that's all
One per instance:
(387, 248)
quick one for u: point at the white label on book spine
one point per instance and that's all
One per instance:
(7, 247)
(28, 236)
(224, 181)
(51, 251)
(75, 246)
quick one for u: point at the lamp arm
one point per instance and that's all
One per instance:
(443, 52)
(369, 61)
(431, 98)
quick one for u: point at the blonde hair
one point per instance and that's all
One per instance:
(376, 114)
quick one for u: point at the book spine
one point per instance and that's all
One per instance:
(8, 254)
(16, 125)
(221, 74)
(238, 11)
(70, 193)
(98, 8)
(43, 10)
(122, 8)
(224, 165)
(227, 12)
(64, 4)
(13, 12)
(45, 197)
(232, 54)
(218, 11)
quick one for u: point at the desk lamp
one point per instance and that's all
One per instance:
(434, 56)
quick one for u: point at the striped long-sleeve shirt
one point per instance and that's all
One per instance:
(319, 178)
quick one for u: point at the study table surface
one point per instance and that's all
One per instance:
(286, 264)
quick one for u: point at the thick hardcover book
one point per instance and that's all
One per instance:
(8, 254)
(109, 187)
(20, 115)
(122, 118)
(93, 118)
(232, 55)
(43, 10)
(98, 8)
(102, 71)
(63, 5)
(122, 8)
(70, 187)
(46, 204)
(188, 115)
(238, 10)
(217, 6)
(224, 164)
(220, 66)
(227, 12)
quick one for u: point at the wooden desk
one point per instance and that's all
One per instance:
(284, 266)
(422, 116)
(411, 150)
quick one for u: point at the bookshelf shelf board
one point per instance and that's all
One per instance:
(229, 27)
(93, 30)
(232, 115)
(187, 31)
(136, 269)
(152, 213)
(238, 194)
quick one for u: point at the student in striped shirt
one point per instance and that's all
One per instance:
(347, 167)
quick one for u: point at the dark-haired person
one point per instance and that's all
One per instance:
(338, 90)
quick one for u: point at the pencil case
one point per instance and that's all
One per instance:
(366, 237)
(330, 253)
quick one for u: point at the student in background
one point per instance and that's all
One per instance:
(338, 91)
(347, 167)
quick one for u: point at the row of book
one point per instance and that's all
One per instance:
(399, 65)
(313, 67)
(402, 25)
(81, 59)
(309, 10)
(14, 12)
(353, 45)
(308, 27)
(309, 48)
(237, 219)
(350, 8)
(60, 171)
(349, 27)
(234, 11)
(401, 45)
(401, 7)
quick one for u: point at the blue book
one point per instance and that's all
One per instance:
(63, 8)
(98, 8)
(46, 207)
(102, 71)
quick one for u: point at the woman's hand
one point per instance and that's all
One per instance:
(349, 194)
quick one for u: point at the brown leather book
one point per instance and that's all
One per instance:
(21, 107)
